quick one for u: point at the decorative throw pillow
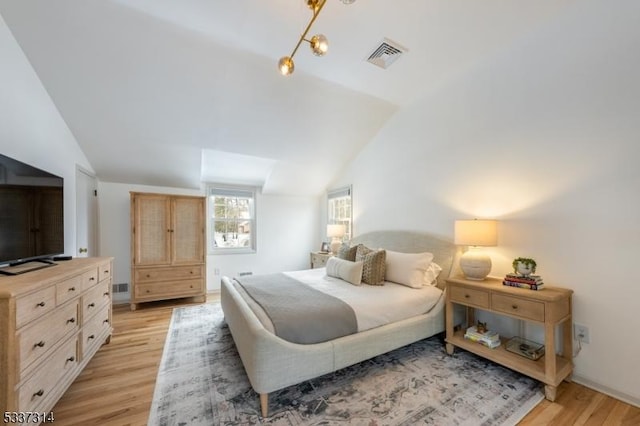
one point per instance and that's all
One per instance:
(407, 268)
(347, 253)
(431, 275)
(373, 265)
(345, 270)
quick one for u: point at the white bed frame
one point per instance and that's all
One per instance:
(272, 363)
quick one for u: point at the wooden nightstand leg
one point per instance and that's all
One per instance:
(550, 392)
(449, 348)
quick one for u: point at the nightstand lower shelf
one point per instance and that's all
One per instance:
(528, 367)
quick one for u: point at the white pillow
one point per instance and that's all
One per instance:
(431, 274)
(345, 270)
(407, 268)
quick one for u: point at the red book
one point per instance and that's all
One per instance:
(532, 279)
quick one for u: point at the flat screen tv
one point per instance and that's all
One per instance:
(31, 213)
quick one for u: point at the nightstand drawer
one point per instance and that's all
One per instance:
(319, 260)
(467, 296)
(527, 309)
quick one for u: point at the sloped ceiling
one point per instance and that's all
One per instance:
(174, 93)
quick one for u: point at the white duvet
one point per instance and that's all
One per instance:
(374, 306)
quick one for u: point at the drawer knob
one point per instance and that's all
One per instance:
(514, 306)
(466, 296)
(72, 289)
(148, 275)
(148, 291)
(92, 278)
(91, 337)
(39, 393)
(41, 304)
(71, 320)
(105, 293)
(91, 305)
(106, 321)
(106, 271)
(71, 359)
(40, 344)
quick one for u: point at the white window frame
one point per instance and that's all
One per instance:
(231, 191)
(333, 218)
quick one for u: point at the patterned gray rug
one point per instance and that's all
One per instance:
(201, 381)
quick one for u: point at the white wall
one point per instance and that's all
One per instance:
(286, 233)
(543, 137)
(32, 130)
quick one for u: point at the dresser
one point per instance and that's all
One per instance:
(167, 247)
(550, 308)
(52, 322)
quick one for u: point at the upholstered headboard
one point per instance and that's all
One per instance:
(444, 252)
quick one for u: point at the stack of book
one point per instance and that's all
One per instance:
(490, 339)
(531, 282)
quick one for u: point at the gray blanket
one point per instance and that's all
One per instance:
(299, 313)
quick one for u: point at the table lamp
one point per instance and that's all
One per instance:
(475, 233)
(335, 232)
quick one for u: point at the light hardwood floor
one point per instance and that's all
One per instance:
(117, 386)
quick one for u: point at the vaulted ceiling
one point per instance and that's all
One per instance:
(175, 93)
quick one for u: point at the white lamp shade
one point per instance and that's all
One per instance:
(476, 232)
(336, 231)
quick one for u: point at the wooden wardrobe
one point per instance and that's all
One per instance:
(168, 247)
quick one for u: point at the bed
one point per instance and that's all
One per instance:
(273, 363)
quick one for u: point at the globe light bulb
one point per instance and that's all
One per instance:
(319, 44)
(285, 65)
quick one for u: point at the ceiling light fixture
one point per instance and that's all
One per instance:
(318, 43)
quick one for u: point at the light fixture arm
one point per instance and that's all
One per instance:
(316, 11)
(318, 43)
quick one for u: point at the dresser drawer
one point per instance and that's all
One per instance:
(40, 336)
(168, 274)
(35, 305)
(515, 306)
(469, 296)
(104, 271)
(169, 289)
(89, 279)
(94, 299)
(68, 289)
(38, 389)
(95, 331)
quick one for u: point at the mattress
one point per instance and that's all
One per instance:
(374, 306)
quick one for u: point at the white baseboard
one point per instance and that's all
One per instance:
(606, 390)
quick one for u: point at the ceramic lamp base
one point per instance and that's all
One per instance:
(335, 245)
(475, 264)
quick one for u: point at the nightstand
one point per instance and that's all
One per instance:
(550, 307)
(318, 259)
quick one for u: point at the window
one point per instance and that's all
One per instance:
(339, 209)
(233, 219)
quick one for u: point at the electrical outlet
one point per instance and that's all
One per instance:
(581, 333)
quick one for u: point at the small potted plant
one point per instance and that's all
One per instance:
(524, 266)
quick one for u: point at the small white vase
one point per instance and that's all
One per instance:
(524, 269)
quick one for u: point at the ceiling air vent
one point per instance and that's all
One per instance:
(386, 53)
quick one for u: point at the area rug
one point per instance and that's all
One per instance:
(201, 381)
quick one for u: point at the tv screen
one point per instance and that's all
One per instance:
(31, 213)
